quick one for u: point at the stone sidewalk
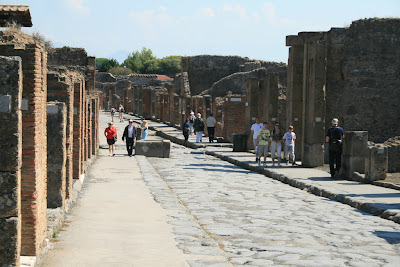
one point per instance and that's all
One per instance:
(377, 200)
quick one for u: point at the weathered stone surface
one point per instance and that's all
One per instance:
(150, 148)
(376, 163)
(9, 242)
(393, 145)
(9, 193)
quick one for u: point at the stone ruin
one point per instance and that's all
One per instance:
(51, 107)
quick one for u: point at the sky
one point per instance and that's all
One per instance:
(249, 28)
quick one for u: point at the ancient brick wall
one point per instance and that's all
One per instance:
(56, 154)
(78, 129)
(218, 105)
(233, 119)
(68, 56)
(367, 88)
(34, 143)
(10, 160)
(205, 70)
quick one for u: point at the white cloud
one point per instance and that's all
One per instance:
(206, 12)
(236, 9)
(269, 11)
(78, 5)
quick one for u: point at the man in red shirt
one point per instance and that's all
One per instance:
(111, 134)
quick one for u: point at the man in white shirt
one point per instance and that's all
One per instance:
(254, 133)
(211, 127)
(130, 135)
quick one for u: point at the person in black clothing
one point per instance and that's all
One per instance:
(186, 130)
(130, 135)
(334, 137)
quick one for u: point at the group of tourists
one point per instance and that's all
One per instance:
(130, 133)
(265, 140)
(194, 125)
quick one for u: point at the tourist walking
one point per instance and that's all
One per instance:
(257, 126)
(262, 143)
(130, 135)
(191, 122)
(334, 137)
(112, 111)
(276, 143)
(121, 111)
(290, 138)
(186, 130)
(111, 134)
(145, 129)
(199, 128)
(211, 127)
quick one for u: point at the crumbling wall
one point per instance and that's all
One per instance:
(393, 145)
(68, 56)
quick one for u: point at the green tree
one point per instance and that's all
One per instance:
(105, 64)
(152, 66)
(170, 65)
(120, 71)
(136, 60)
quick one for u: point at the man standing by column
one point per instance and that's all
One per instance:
(254, 132)
(211, 127)
(130, 135)
(334, 137)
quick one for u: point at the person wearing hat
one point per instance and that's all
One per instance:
(199, 128)
(191, 122)
(130, 135)
(211, 127)
(334, 137)
(111, 134)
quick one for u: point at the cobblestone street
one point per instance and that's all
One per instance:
(256, 221)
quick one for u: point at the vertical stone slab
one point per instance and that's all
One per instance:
(146, 103)
(166, 110)
(252, 102)
(56, 154)
(10, 160)
(153, 104)
(209, 105)
(314, 100)
(268, 99)
(294, 95)
(355, 146)
(376, 163)
(218, 107)
(140, 100)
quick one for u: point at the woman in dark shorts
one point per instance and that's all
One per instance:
(111, 134)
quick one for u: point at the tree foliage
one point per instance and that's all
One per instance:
(120, 71)
(105, 64)
(145, 62)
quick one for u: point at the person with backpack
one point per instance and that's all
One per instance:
(199, 128)
(191, 122)
(334, 137)
(112, 111)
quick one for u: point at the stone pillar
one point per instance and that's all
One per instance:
(146, 103)
(153, 104)
(355, 146)
(268, 99)
(313, 100)
(89, 125)
(60, 88)
(376, 163)
(218, 105)
(91, 73)
(135, 92)
(166, 110)
(209, 105)
(251, 110)
(140, 101)
(77, 132)
(56, 154)
(10, 160)
(294, 96)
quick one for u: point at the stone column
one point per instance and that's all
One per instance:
(10, 160)
(376, 163)
(268, 100)
(251, 106)
(77, 132)
(294, 96)
(56, 154)
(314, 81)
(355, 146)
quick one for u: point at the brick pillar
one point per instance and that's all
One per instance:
(314, 100)
(135, 96)
(153, 103)
(56, 154)
(77, 133)
(95, 125)
(34, 145)
(89, 126)
(140, 101)
(83, 128)
(218, 105)
(294, 95)
(233, 119)
(166, 110)
(10, 160)
(60, 88)
(86, 128)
